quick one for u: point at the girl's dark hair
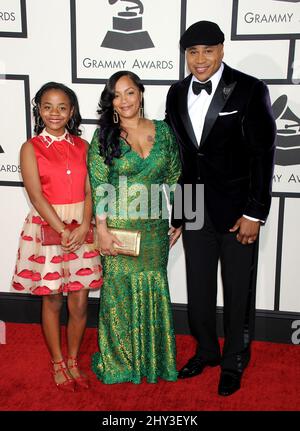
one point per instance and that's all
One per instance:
(109, 132)
(74, 121)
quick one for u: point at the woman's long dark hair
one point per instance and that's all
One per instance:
(109, 132)
(74, 121)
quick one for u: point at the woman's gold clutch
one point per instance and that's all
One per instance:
(131, 240)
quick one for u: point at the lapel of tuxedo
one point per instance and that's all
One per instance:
(223, 92)
(183, 110)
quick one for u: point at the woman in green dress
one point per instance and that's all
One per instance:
(133, 156)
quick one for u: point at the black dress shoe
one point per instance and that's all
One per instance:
(195, 366)
(230, 382)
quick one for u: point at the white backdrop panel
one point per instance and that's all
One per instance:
(252, 57)
(287, 178)
(157, 60)
(13, 127)
(267, 17)
(296, 71)
(88, 131)
(14, 208)
(177, 275)
(290, 270)
(265, 289)
(10, 16)
(88, 98)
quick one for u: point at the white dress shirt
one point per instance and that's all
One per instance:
(198, 105)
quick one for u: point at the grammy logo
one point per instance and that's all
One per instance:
(288, 133)
(226, 92)
(127, 34)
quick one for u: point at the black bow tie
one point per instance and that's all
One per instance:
(197, 87)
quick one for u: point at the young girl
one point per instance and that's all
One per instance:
(53, 166)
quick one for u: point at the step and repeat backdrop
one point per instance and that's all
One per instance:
(82, 42)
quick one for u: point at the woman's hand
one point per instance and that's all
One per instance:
(65, 239)
(174, 234)
(106, 241)
(72, 241)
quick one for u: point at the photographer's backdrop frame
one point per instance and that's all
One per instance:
(81, 43)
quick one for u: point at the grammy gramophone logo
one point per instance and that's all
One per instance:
(288, 133)
(127, 33)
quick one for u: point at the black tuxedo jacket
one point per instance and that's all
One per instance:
(235, 158)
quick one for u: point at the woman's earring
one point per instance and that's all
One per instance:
(71, 123)
(38, 123)
(141, 112)
(115, 117)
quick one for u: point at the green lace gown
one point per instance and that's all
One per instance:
(136, 335)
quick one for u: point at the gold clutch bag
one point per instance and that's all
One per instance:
(131, 240)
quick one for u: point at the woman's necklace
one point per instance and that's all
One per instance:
(68, 159)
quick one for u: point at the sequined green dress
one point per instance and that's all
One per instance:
(136, 335)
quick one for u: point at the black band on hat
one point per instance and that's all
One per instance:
(202, 33)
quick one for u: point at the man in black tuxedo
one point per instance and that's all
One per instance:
(224, 125)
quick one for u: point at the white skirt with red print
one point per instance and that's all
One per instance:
(46, 270)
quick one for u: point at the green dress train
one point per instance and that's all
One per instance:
(136, 335)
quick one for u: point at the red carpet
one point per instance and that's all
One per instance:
(271, 382)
